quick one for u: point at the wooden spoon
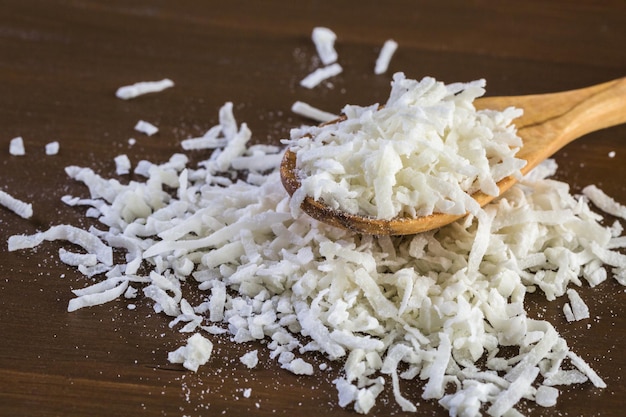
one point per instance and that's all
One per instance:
(550, 121)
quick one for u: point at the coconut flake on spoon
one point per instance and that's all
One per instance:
(433, 152)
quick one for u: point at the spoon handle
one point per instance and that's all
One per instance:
(598, 107)
(553, 120)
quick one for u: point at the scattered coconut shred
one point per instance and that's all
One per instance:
(324, 41)
(434, 308)
(128, 92)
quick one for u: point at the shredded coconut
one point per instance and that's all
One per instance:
(435, 307)
(569, 314)
(604, 202)
(579, 309)
(385, 55)
(122, 164)
(52, 148)
(250, 359)
(321, 74)
(313, 113)
(80, 237)
(195, 353)
(324, 40)
(546, 396)
(146, 127)
(144, 87)
(19, 207)
(16, 147)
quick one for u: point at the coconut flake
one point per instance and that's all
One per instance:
(604, 202)
(52, 148)
(546, 396)
(72, 234)
(250, 359)
(321, 74)
(143, 87)
(16, 146)
(583, 367)
(194, 354)
(146, 127)
(518, 388)
(580, 310)
(313, 113)
(75, 259)
(299, 367)
(385, 55)
(324, 40)
(112, 289)
(122, 164)
(19, 207)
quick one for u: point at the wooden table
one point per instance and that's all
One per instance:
(60, 64)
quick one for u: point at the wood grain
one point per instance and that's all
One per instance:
(60, 64)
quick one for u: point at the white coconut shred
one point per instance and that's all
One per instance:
(16, 146)
(430, 309)
(385, 55)
(324, 40)
(426, 150)
(17, 206)
(144, 87)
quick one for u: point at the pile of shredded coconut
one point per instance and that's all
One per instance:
(435, 308)
(426, 150)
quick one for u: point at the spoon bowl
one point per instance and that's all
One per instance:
(550, 121)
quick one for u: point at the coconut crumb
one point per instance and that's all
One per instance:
(16, 147)
(546, 396)
(194, 354)
(52, 148)
(250, 359)
(146, 128)
(122, 164)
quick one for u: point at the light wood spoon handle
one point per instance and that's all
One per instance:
(551, 121)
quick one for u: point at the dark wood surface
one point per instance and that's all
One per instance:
(60, 64)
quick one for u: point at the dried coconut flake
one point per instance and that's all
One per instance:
(19, 207)
(16, 147)
(146, 127)
(195, 353)
(385, 55)
(52, 148)
(313, 113)
(604, 202)
(324, 40)
(144, 87)
(321, 74)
